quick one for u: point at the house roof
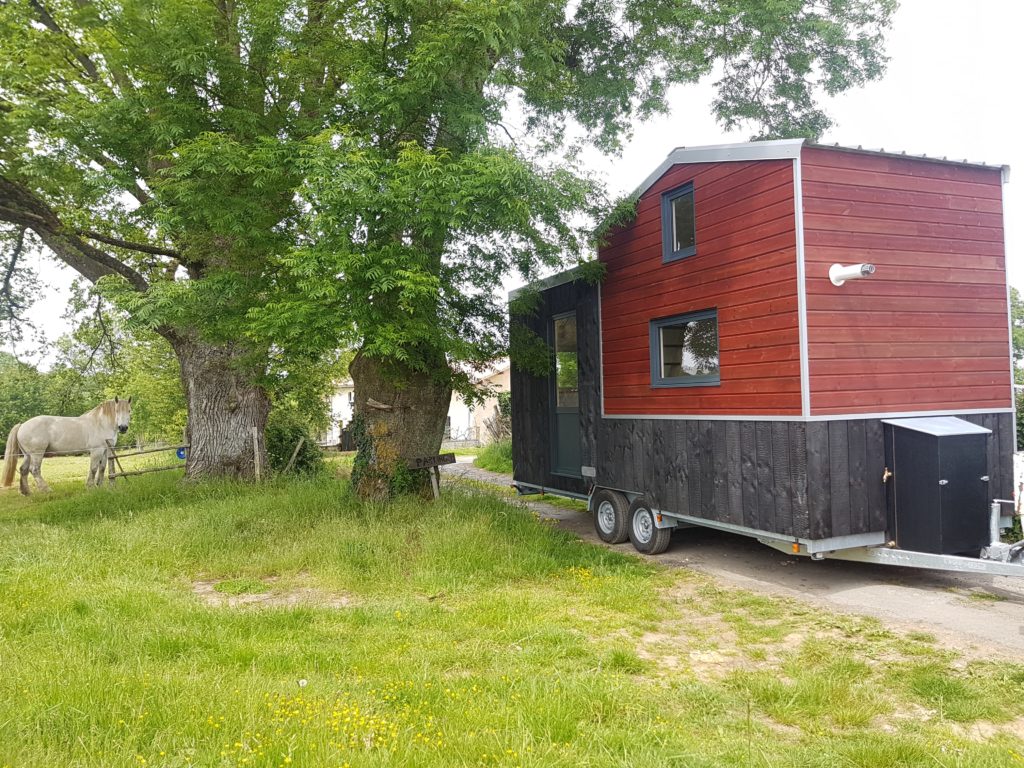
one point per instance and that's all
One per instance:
(779, 149)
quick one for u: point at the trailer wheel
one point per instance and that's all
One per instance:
(646, 536)
(611, 516)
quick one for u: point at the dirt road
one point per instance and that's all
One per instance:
(980, 615)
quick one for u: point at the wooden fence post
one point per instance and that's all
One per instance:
(295, 453)
(256, 453)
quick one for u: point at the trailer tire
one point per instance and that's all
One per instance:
(611, 516)
(646, 536)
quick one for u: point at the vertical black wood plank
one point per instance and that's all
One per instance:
(781, 478)
(707, 471)
(798, 475)
(719, 469)
(659, 471)
(839, 477)
(819, 492)
(765, 481)
(677, 433)
(734, 473)
(693, 477)
(748, 474)
(857, 448)
(874, 467)
(1006, 449)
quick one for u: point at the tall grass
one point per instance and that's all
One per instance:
(496, 457)
(464, 632)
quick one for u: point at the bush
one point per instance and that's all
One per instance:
(497, 457)
(284, 428)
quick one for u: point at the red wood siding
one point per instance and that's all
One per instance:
(745, 267)
(927, 331)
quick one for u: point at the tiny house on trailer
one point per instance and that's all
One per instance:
(805, 344)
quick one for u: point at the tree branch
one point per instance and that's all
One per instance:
(119, 243)
(51, 24)
(20, 206)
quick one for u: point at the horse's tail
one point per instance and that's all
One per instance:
(11, 457)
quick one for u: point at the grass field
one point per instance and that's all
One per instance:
(171, 624)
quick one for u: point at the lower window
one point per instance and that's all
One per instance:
(684, 350)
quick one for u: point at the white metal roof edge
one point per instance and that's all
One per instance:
(940, 426)
(776, 149)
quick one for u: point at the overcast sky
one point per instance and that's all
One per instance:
(953, 88)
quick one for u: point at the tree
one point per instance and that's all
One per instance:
(421, 201)
(23, 394)
(264, 180)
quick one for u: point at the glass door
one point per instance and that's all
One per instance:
(566, 453)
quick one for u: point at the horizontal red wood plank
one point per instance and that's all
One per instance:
(816, 237)
(917, 167)
(855, 209)
(864, 294)
(930, 365)
(822, 350)
(737, 384)
(824, 190)
(883, 334)
(822, 320)
(933, 405)
(755, 405)
(906, 380)
(908, 303)
(921, 399)
(904, 227)
(830, 255)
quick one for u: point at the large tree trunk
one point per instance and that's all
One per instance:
(399, 415)
(224, 407)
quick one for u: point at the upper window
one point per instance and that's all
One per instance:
(678, 235)
(567, 376)
(684, 350)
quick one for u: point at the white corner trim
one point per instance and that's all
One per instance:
(1009, 306)
(806, 419)
(801, 289)
(600, 343)
(779, 149)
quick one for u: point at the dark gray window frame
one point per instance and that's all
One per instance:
(657, 380)
(667, 254)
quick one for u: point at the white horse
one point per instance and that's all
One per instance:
(95, 431)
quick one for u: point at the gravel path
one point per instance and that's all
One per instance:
(979, 615)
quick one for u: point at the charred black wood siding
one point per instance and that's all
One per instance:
(812, 480)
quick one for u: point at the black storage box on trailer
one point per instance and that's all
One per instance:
(939, 487)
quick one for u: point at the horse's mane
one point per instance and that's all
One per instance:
(106, 410)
